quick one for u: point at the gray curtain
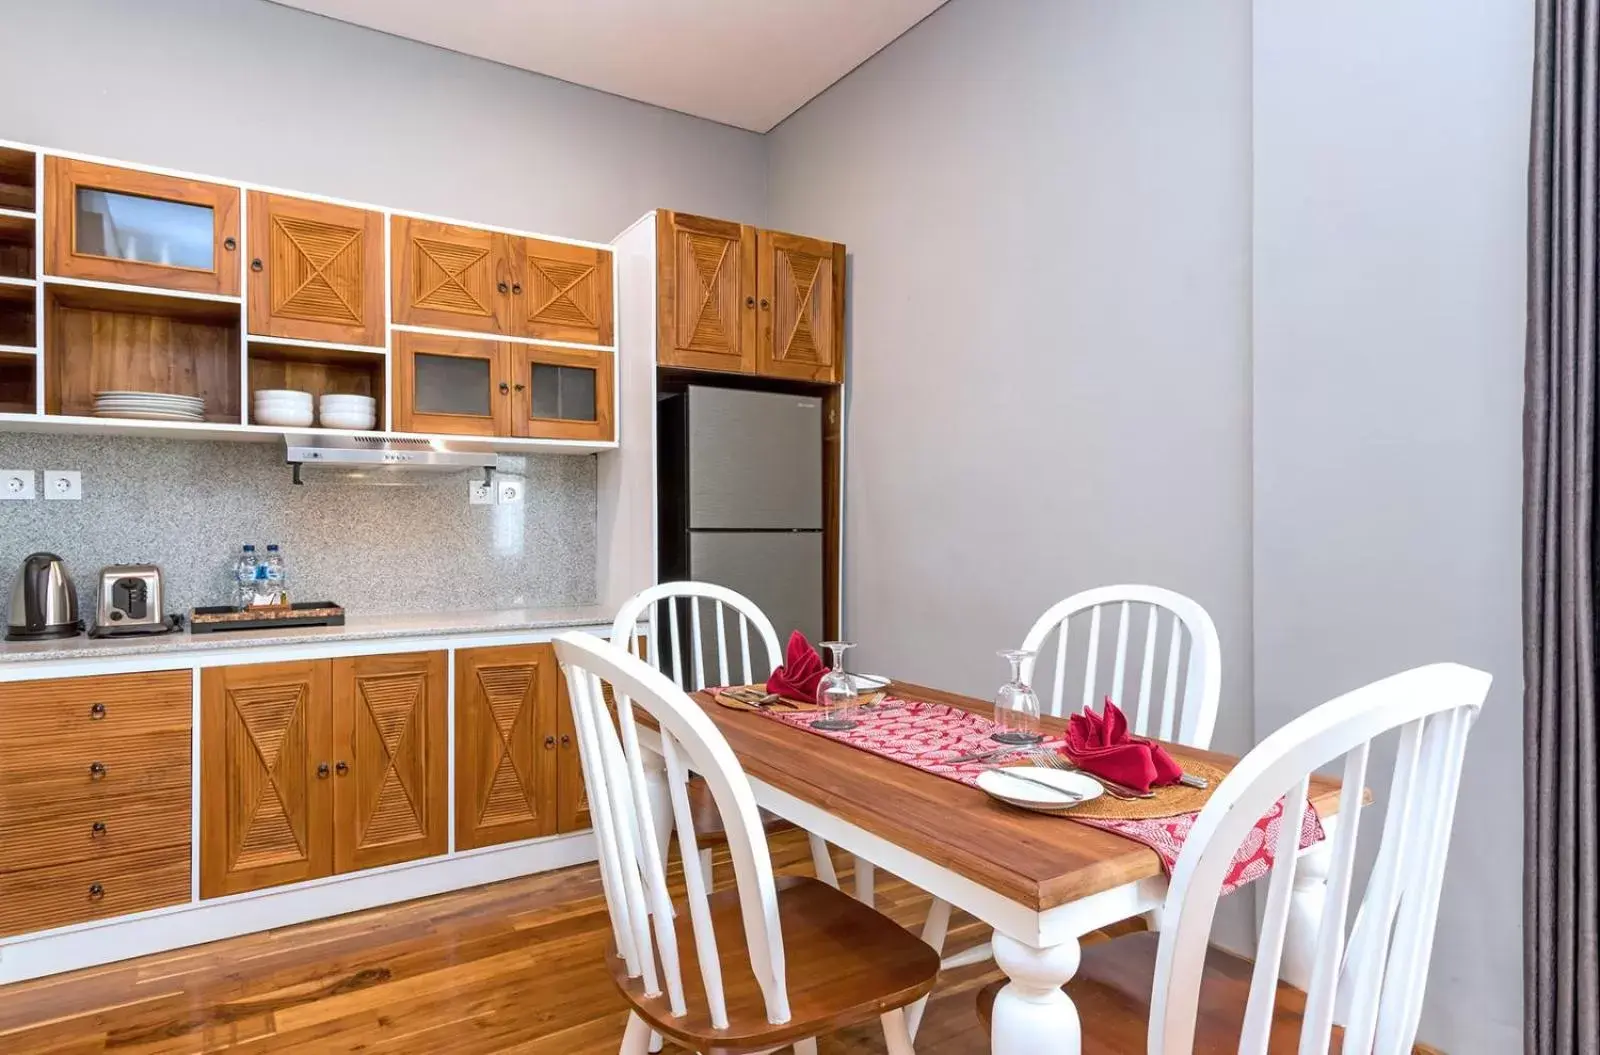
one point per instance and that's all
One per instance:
(1561, 974)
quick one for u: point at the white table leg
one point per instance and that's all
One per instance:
(1306, 898)
(1032, 1014)
(660, 795)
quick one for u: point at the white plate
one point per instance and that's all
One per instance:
(151, 404)
(148, 395)
(1031, 796)
(150, 415)
(868, 682)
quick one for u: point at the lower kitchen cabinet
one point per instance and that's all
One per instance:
(315, 768)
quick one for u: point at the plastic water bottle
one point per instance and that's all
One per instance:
(277, 575)
(244, 576)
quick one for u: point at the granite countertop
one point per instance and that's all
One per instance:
(355, 628)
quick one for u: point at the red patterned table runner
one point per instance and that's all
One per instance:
(923, 735)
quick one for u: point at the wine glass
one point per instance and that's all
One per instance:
(836, 693)
(1016, 706)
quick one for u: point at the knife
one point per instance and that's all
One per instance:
(979, 756)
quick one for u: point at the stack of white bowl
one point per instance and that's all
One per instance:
(283, 407)
(348, 412)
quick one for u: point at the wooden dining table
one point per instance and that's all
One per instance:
(1042, 882)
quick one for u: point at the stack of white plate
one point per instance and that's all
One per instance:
(283, 407)
(154, 406)
(348, 412)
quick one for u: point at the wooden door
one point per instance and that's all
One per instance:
(390, 785)
(706, 289)
(801, 288)
(266, 791)
(316, 270)
(562, 292)
(506, 744)
(562, 393)
(122, 225)
(451, 277)
(454, 386)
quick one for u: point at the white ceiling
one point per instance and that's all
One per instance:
(748, 63)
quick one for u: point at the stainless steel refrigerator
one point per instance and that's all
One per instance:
(741, 498)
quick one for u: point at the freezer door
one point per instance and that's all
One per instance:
(781, 571)
(755, 460)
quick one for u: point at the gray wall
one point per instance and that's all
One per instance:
(1390, 187)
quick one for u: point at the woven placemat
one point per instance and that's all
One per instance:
(743, 697)
(1169, 801)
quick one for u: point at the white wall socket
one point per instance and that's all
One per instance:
(480, 493)
(510, 492)
(16, 485)
(63, 485)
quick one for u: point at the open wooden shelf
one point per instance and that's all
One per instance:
(17, 190)
(17, 258)
(100, 340)
(16, 381)
(17, 325)
(320, 371)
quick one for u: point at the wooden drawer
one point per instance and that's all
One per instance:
(48, 771)
(59, 895)
(81, 828)
(69, 709)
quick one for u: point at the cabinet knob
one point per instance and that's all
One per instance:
(97, 829)
(342, 768)
(97, 711)
(749, 302)
(255, 265)
(516, 287)
(503, 288)
(549, 743)
(229, 244)
(322, 771)
(764, 304)
(504, 388)
(566, 740)
(96, 891)
(519, 386)
(97, 770)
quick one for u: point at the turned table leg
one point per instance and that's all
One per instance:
(1033, 1015)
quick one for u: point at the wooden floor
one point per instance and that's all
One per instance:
(514, 967)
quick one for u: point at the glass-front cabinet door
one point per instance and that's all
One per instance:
(452, 386)
(140, 228)
(562, 393)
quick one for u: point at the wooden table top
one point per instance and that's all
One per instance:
(1034, 859)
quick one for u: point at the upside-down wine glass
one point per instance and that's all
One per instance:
(836, 693)
(1016, 706)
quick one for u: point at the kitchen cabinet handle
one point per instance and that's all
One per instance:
(516, 287)
(96, 891)
(503, 288)
(504, 388)
(255, 265)
(97, 829)
(342, 768)
(749, 302)
(519, 386)
(566, 740)
(549, 742)
(229, 244)
(322, 771)
(97, 770)
(97, 711)
(764, 304)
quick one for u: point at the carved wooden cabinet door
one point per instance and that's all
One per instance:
(390, 790)
(706, 286)
(316, 270)
(562, 292)
(801, 293)
(506, 744)
(451, 277)
(265, 787)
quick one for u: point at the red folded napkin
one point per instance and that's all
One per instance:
(1100, 744)
(801, 672)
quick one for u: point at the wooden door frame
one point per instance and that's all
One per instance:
(262, 322)
(524, 424)
(408, 345)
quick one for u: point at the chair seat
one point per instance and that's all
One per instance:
(708, 829)
(845, 964)
(1112, 992)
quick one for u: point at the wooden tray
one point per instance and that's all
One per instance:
(227, 617)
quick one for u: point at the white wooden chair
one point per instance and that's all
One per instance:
(1371, 983)
(780, 959)
(686, 659)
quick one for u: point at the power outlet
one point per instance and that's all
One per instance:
(480, 493)
(63, 485)
(510, 492)
(16, 485)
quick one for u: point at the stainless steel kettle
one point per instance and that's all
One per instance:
(44, 603)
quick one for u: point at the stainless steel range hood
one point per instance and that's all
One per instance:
(382, 459)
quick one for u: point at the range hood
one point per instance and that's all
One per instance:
(378, 459)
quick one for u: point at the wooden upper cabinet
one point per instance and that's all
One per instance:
(706, 286)
(265, 801)
(140, 228)
(562, 292)
(800, 286)
(453, 386)
(451, 277)
(390, 738)
(316, 270)
(507, 729)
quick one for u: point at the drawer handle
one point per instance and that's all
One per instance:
(97, 770)
(96, 891)
(97, 829)
(549, 743)
(97, 711)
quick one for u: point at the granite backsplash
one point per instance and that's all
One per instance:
(378, 550)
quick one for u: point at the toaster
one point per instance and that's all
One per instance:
(130, 599)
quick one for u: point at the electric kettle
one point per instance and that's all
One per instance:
(44, 603)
